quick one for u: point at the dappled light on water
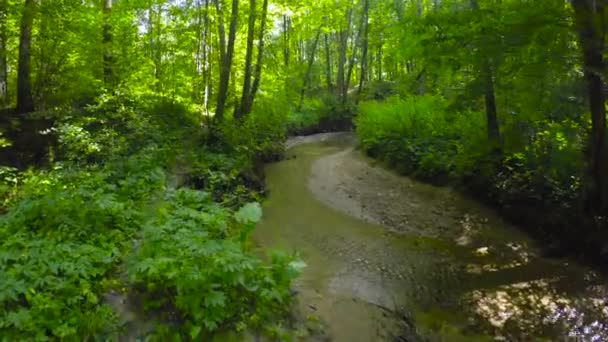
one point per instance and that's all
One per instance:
(538, 308)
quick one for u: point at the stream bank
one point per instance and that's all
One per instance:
(391, 258)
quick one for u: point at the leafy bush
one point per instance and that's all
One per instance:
(417, 135)
(193, 260)
(67, 231)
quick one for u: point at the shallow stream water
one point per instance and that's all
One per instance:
(438, 267)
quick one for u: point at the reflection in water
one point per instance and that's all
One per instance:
(459, 272)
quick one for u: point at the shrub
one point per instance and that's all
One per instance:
(540, 167)
(193, 260)
(68, 230)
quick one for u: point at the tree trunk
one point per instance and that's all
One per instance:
(4, 102)
(257, 74)
(379, 61)
(311, 60)
(286, 34)
(201, 91)
(490, 103)
(356, 44)
(206, 67)
(330, 87)
(158, 52)
(363, 65)
(340, 79)
(589, 17)
(239, 110)
(487, 75)
(107, 43)
(25, 102)
(226, 53)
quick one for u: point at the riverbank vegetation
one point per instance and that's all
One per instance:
(133, 137)
(502, 99)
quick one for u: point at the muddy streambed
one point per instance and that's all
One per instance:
(389, 258)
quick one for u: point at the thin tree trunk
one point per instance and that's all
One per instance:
(363, 65)
(487, 75)
(239, 110)
(311, 60)
(4, 102)
(355, 45)
(107, 43)
(286, 35)
(158, 52)
(198, 57)
(490, 103)
(589, 18)
(257, 74)
(379, 61)
(25, 102)
(226, 54)
(328, 64)
(206, 66)
(344, 34)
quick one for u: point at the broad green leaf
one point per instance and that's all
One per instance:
(249, 213)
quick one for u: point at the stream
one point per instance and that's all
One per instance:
(392, 259)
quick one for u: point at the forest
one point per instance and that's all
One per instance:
(134, 134)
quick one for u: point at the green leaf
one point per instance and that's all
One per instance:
(249, 213)
(215, 298)
(195, 331)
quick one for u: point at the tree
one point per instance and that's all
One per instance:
(107, 43)
(364, 46)
(311, 60)
(330, 87)
(343, 41)
(240, 110)
(590, 19)
(257, 75)
(226, 54)
(25, 101)
(487, 79)
(4, 101)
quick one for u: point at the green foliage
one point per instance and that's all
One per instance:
(111, 198)
(191, 260)
(418, 135)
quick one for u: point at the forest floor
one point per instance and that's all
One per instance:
(389, 257)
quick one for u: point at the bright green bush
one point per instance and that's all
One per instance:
(114, 197)
(418, 135)
(193, 260)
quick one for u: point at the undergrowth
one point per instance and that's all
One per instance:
(424, 137)
(136, 201)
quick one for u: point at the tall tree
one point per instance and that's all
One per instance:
(355, 46)
(239, 110)
(286, 39)
(311, 60)
(257, 74)
(330, 86)
(343, 47)
(364, 46)
(590, 16)
(25, 101)
(251, 90)
(4, 102)
(107, 43)
(487, 79)
(226, 55)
